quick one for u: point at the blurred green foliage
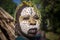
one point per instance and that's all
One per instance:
(8, 5)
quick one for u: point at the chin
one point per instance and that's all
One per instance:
(31, 35)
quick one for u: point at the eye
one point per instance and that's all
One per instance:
(36, 17)
(26, 18)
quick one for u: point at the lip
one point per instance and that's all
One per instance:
(32, 31)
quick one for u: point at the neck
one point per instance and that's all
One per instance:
(37, 37)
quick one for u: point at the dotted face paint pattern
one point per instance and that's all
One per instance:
(25, 25)
(28, 11)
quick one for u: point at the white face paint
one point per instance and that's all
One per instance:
(25, 22)
(28, 11)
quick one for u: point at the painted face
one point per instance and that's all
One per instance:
(29, 21)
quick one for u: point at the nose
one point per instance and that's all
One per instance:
(32, 22)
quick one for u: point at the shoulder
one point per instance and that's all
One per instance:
(20, 38)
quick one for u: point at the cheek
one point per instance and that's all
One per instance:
(38, 24)
(37, 21)
(24, 26)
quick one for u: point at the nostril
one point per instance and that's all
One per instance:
(32, 23)
(33, 29)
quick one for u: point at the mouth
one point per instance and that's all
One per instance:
(32, 31)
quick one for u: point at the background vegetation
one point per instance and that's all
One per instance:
(8, 5)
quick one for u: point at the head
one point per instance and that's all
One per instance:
(28, 20)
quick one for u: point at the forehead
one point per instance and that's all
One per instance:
(28, 11)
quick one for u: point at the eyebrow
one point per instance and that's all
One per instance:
(35, 15)
(26, 16)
